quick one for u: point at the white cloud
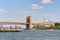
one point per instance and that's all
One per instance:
(3, 11)
(36, 6)
(46, 1)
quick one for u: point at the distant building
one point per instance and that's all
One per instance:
(46, 23)
(57, 24)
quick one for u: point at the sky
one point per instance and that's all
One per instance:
(17, 10)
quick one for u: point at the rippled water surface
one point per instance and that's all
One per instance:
(31, 35)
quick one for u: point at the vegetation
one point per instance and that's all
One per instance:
(43, 27)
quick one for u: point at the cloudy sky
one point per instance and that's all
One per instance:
(17, 10)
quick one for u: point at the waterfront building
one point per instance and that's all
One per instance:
(46, 23)
(57, 24)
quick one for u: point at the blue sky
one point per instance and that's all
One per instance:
(17, 10)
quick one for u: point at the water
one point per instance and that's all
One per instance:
(31, 35)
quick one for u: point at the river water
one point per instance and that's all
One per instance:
(31, 35)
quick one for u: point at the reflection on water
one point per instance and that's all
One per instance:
(31, 35)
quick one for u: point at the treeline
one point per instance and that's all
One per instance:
(43, 27)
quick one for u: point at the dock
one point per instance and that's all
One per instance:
(6, 29)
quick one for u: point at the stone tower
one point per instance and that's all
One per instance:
(29, 22)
